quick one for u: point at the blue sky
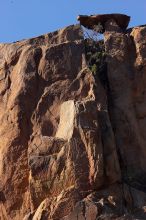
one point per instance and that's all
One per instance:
(20, 19)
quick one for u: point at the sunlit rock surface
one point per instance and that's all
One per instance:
(70, 148)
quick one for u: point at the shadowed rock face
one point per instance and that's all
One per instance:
(90, 21)
(70, 147)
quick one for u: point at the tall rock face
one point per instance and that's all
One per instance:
(126, 58)
(72, 148)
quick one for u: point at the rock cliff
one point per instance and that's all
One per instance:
(72, 140)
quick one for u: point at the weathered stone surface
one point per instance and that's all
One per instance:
(103, 203)
(127, 105)
(90, 21)
(28, 86)
(70, 147)
(75, 161)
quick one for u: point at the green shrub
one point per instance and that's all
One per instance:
(95, 55)
(94, 69)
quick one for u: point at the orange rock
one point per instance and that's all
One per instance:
(71, 147)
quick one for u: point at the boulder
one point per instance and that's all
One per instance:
(93, 20)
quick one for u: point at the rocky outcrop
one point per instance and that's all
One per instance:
(70, 147)
(91, 21)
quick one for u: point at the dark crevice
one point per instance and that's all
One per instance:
(84, 209)
(96, 60)
(15, 59)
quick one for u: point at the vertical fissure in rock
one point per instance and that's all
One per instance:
(96, 61)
